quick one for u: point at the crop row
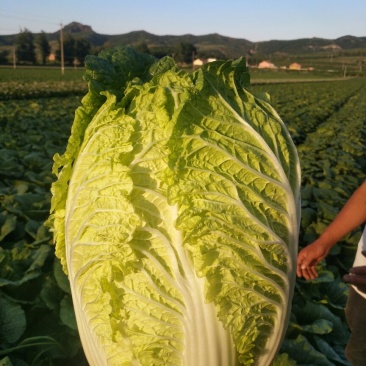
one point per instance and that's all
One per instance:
(37, 316)
(329, 131)
(303, 106)
(40, 89)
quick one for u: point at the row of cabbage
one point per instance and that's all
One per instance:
(40, 89)
(328, 124)
(39, 82)
(38, 326)
(37, 318)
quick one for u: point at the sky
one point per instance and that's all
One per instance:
(254, 20)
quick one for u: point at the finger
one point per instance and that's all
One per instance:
(299, 265)
(310, 273)
(360, 270)
(301, 269)
(298, 268)
(298, 271)
(304, 261)
(313, 272)
(354, 279)
(301, 272)
(304, 274)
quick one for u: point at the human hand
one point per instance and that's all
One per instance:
(357, 277)
(309, 257)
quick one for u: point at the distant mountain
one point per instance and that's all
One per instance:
(78, 30)
(210, 45)
(310, 45)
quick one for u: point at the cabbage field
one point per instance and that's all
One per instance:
(327, 121)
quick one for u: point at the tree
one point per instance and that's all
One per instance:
(69, 43)
(81, 49)
(43, 46)
(25, 51)
(160, 52)
(142, 47)
(4, 57)
(185, 52)
(75, 50)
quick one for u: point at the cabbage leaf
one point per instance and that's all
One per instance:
(175, 215)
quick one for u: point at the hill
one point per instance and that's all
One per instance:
(211, 45)
(227, 46)
(318, 52)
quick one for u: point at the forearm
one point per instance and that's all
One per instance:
(352, 215)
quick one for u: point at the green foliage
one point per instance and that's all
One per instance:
(25, 49)
(327, 123)
(37, 322)
(24, 83)
(142, 47)
(33, 281)
(41, 75)
(185, 52)
(4, 57)
(75, 50)
(44, 47)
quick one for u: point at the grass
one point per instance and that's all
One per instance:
(291, 75)
(39, 74)
(32, 82)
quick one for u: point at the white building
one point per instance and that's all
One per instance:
(266, 65)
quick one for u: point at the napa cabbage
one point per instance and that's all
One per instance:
(175, 214)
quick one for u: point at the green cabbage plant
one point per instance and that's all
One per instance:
(175, 215)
